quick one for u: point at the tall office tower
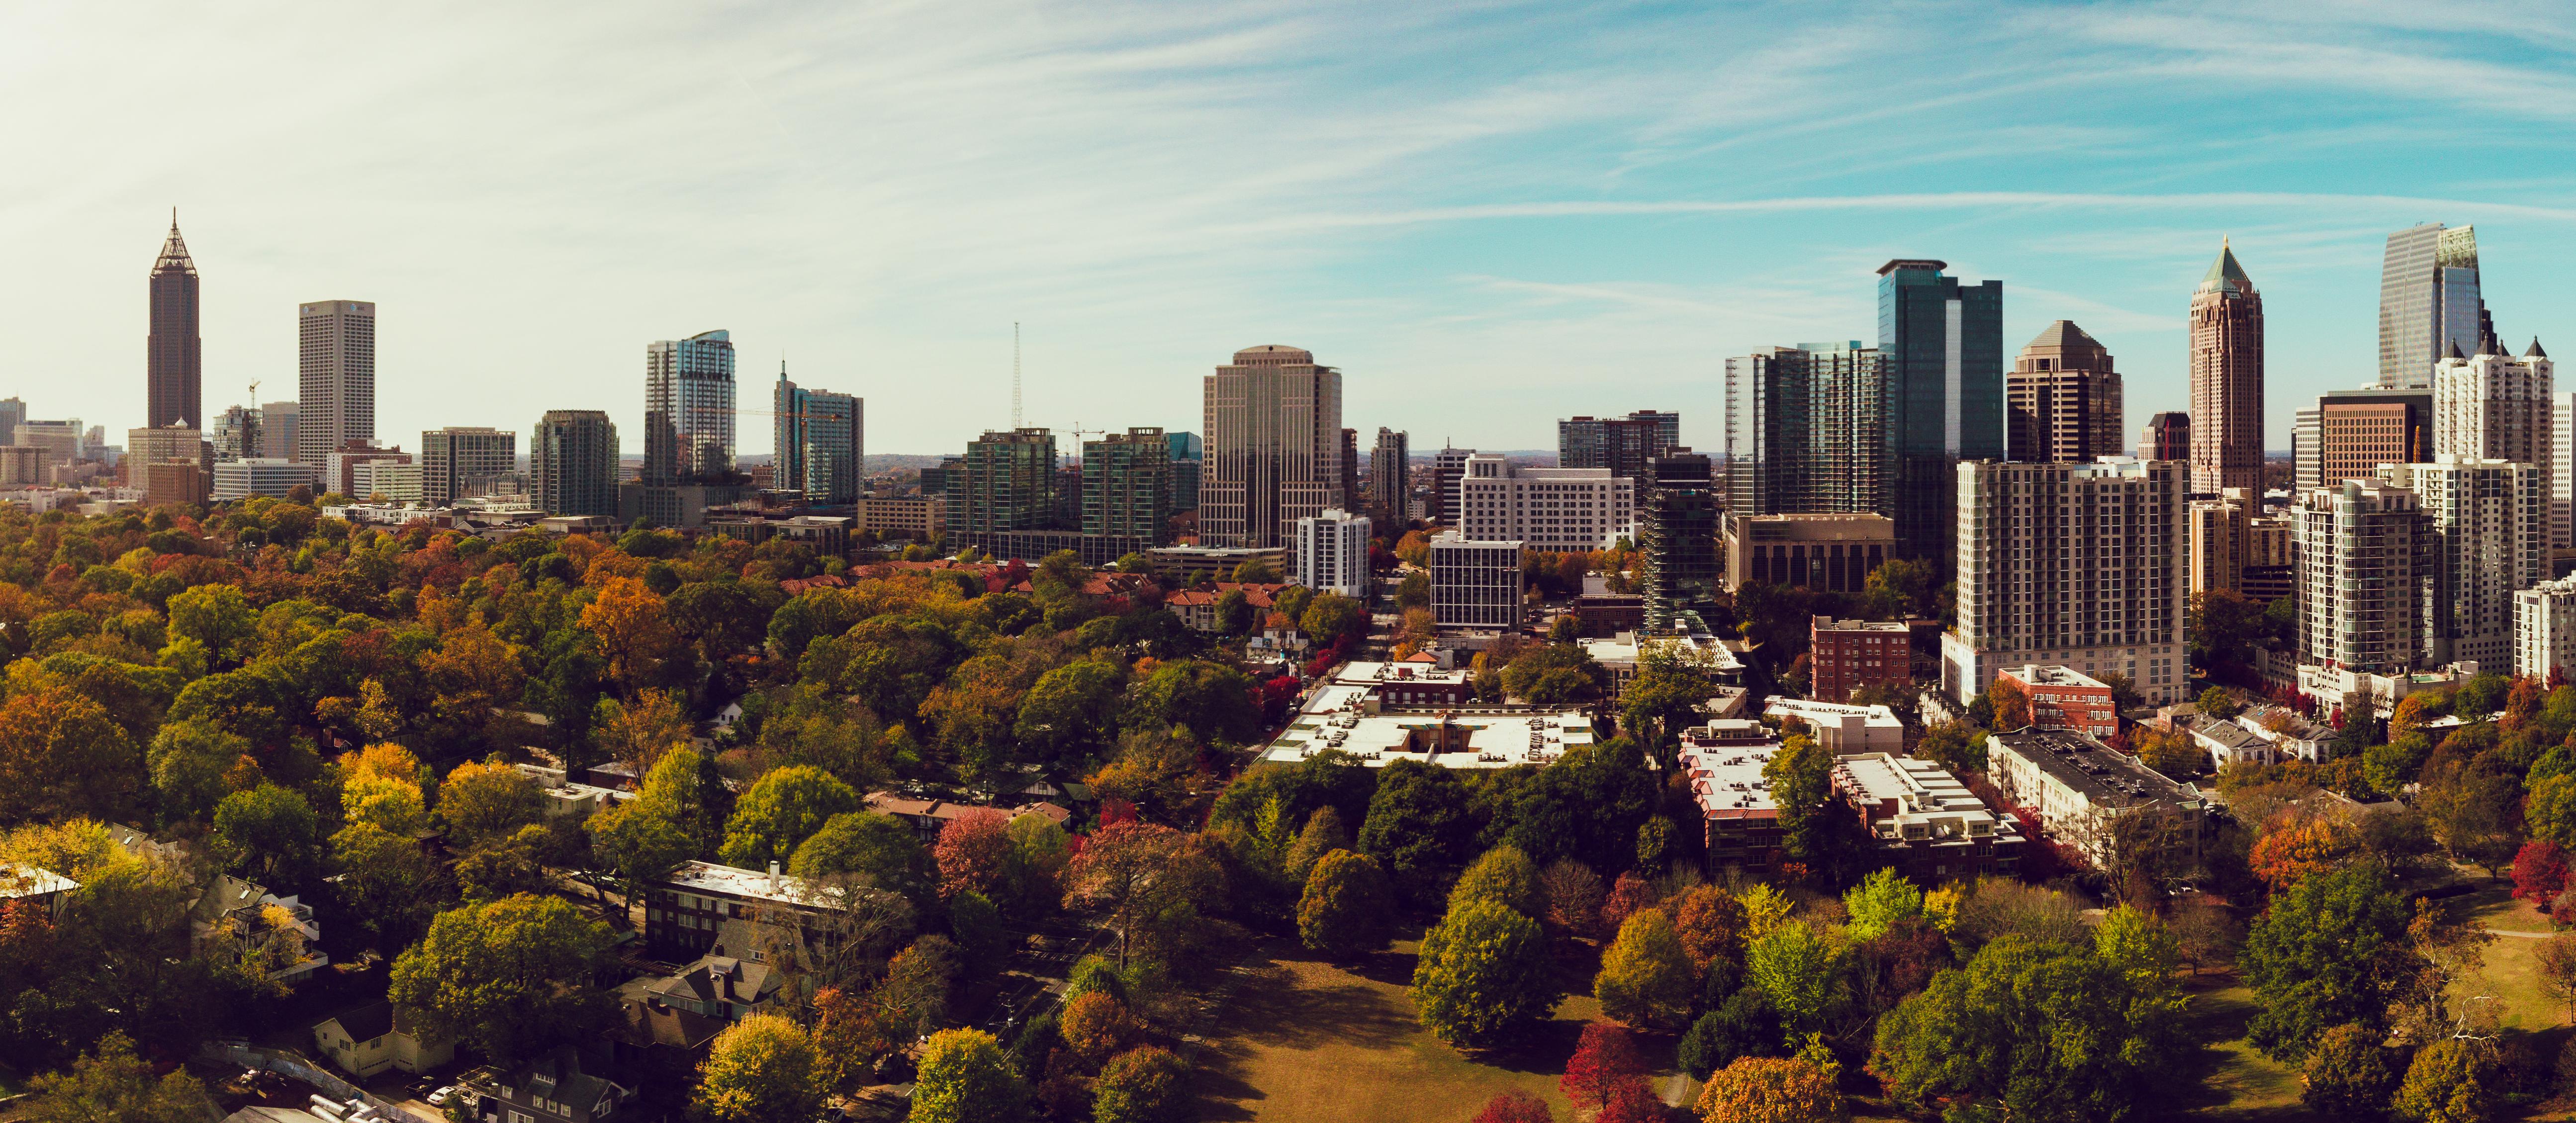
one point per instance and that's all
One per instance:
(1331, 554)
(2074, 564)
(2166, 437)
(1447, 469)
(1185, 471)
(1765, 460)
(2428, 303)
(821, 441)
(1127, 485)
(1350, 471)
(2348, 434)
(2062, 399)
(1274, 446)
(2226, 379)
(336, 364)
(1560, 509)
(1625, 445)
(12, 414)
(236, 434)
(1390, 484)
(2365, 570)
(2494, 406)
(1677, 525)
(1941, 348)
(1006, 482)
(2217, 537)
(572, 463)
(688, 409)
(462, 461)
(61, 440)
(174, 362)
(277, 430)
(2562, 468)
(2490, 523)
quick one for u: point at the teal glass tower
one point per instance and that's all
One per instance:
(1941, 353)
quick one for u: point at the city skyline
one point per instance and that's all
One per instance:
(1606, 274)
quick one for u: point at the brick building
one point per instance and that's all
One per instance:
(2061, 698)
(1849, 654)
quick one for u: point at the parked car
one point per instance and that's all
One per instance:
(440, 1097)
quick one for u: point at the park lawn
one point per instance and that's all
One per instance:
(2493, 906)
(2234, 1081)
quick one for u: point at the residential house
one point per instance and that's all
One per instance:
(688, 1008)
(45, 888)
(927, 817)
(279, 931)
(562, 1086)
(369, 1039)
(2290, 733)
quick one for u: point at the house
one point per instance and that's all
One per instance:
(369, 1039)
(562, 1086)
(45, 888)
(2291, 734)
(277, 930)
(927, 817)
(565, 797)
(688, 1008)
(2229, 743)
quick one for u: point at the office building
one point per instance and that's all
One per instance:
(1556, 509)
(2493, 406)
(1803, 429)
(177, 443)
(174, 366)
(1624, 445)
(387, 480)
(1005, 482)
(1332, 554)
(1186, 462)
(689, 410)
(1447, 469)
(1390, 486)
(336, 386)
(340, 465)
(244, 477)
(170, 482)
(462, 461)
(1475, 584)
(237, 434)
(2226, 379)
(2077, 565)
(2166, 437)
(2348, 434)
(2215, 535)
(1845, 655)
(1828, 553)
(572, 463)
(2365, 570)
(278, 426)
(2490, 521)
(2429, 303)
(2062, 399)
(21, 465)
(2544, 630)
(63, 441)
(1677, 526)
(1274, 446)
(1125, 484)
(13, 413)
(1941, 348)
(820, 440)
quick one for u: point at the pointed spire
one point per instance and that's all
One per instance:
(174, 252)
(2455, 351)
(2225, 275)
(2535, 352)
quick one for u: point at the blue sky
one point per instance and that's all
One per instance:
(1488, 215)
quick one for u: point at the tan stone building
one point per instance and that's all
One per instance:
(2062, 399)
(2226, 379)
(1274, 447)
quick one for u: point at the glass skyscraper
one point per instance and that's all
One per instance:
(2428, 301)
(1802, 430)
(820, 442)
(688, 410)
(1941, 356)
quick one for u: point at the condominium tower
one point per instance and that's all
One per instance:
(1390, 483)
(1804, 430)
(336, 368)
(819, 442)
(1006, 481)
(461, 461)
(1127, 485)
(2429, 302)
(2078, 565)
(688, 409)
(572, 463)
(1274, 445)
(2490, 521)
(2348, 434)
(2062, 399)
(2494, 406)
(1561, 509)
(2226, 379)
(2166, 437)
(1941, 346)
(1677, 527)
(2365, 552)
(1625, 445)
(174, 355)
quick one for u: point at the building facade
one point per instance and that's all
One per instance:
(2490, 522)
(461, 461)
(259, 475)
(1624, 445)
(1005, 482)
(2429, 302)
(1127, 485)
(2544, 630)
(1924, 823)
(1186, 460)
(572, 463)
(1559, 509)
(689, 409)
(2562, 467)
(1474, 583)
(2214, 535)
(1390, 479)
(2226, 379)
(2064, 698)
(2348, 434)
(279, 422)
(394, 481)
(2062, 399)
(236, 434)
(1804, 429)
(1845, 655)
(1823, 552)
(1677, 527)
(336, 376)
(1941, 346)
(174, 355)
(2077, 787)
(1447, 468)
(2078, 565)
(2365, 571)
(1332, 554)
(2493, 406)
(1274, 444)
(820, 442)
(2166, 437)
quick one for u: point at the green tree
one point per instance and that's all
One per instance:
(1645, 977)
(269, 834)
(188, 761)
(1664, 698)
(386, 883)
(2217, 704)
(484, 800)
(637, 841)
(1800, 971)
(2025, 1031)
(1209, 698)
(219, 618)
(1419, 826)
(112, 1085)
(1332, 616)
(1898, 589)
(1555, 674)
(1142, 1085)
(1342, 912)
(759, 1069)
(879, 849)
(1815, 824)
(966, 1077)
(780, 812)
(2549, 813)
(1881, 899)
(2347, 1075)
(1482, 976)
(1504, 876)
(2330, 952)
(510, 977)
(1067, 714)
(2450, 1081)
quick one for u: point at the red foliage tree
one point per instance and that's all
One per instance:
(2539, 872)
(1603, 1066)
(1628, 895)
(1515, 1107)
(974, 852)
(1633, 1103)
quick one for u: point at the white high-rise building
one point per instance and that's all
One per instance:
(1475, 584)
(2079, 565)
(2490, 529)
(2562, 468)
(2544, 629)
(2493, 406)
(2365, 570)
(1560, 509)
(336, 363)
(1332, 554)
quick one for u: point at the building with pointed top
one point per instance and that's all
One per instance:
(2062, 399)
(820, 442)
(2429, 302)
(174, 358)
(2226, 379)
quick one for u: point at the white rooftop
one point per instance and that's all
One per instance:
(712, 878)
(1812, 710)
(29, 881)
(1622, 649)
(1727, 777)
(2052, 674)
(1376, 673)
(1480, 737)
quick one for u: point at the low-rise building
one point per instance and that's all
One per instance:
(1824, 552)
(1197, 608)
(1846, 655)
(827, 535)
(241, 479)
(1475, 583)
(2064, 698)
(702, 906)
(369, 1039)
(906, 516)
(1618, 655)
(1844, 729)
(2078, 787)
(927, 817)
(2290, 734)
(1403, 684)
(266, 927)
(1923, 822)
(562, 1086)
(1464, 737)
(44, 888)
(1739, 825)
(689, 1007)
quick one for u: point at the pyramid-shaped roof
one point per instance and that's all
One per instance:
(174, 252)
(2535, 352)
(2225, 275)
(2064, 333)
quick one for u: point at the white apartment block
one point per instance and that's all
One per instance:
(1332, 553)
(241, 479)
(1559, 509)
(2562, 469)
(397, 481)
(2078, 565)
(1474, 583)
(2544, 629)
(2491, 540)
(2365, 563)
(461, 461)
(2496, 407)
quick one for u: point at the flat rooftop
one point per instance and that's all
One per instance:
(2052, 674)
(1382, 674)
(1624, 647)
(1474, 737)
(709, 877)
(1726, 778)
(2104, 777)
(1812, 711)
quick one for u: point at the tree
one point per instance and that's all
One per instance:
(1555, 674)
(2217, 704)
(218, 618)
(2322, 957)
(780, 812)
(484, 800)
(189, 760)
(1331, 617)
(1322, 835)
(879, 849)
(1605, 1061)
(1897, 589)
(1515, 1106)
(1068, 713)
(2539, 872)
(640, 731)
(2470, 813)
(1142, 1085)
(1880, 900)
(1573, 894)
(1419, 826)
(1145, 875)
(1816, 825)
(2450, 1081)
(269, 834)
(1096, 1026)
(1710, 923)
(1800, 970)
(1954, 745)
(2025, 1031)
(112, 1085)
(1744, 1025)
(638, 841)
(2011, 702)
(760, 1068)
(1504, 876)
(966, 1077)
(509, 977)
(1482, 976)
(1342, 912)
(2347, 1074)
(2556, 961)
(1771, 1090)
(62, 756)
(2298, 848)
(632, 625)
(974, 853)
(2169, 753)
(506, 866)
(1645, 977)
(386, 882)
(1664, 698)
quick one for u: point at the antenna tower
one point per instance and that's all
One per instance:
(1015, 374)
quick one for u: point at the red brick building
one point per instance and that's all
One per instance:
(2062, 698)
(1850, 654)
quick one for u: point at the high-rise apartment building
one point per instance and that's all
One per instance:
(2562, 467)
(13, 413)
(820, 442)
(1446, 470)
(2062, 399)
(336, 367)
(2166, 437)
(2490, 521)
(2216, 537)
(2497, 407)
(1559, 509)
(688, 409)
(1331, 554)
(1274, 445)
(2226, 379)
(1625, 445)
(1475, 583)
(1677, 525)
(2544, 630)
(1127, 485)
(1390, 483)
(1803, 429)
(2365, 572)
(2429, 302)
(2079, 565)
(1350, 458)
(279, 422)
(2348, 434)
(1185, 471)
(174, 361)
(1006, 482)
(464, 460)
(236, 433)
(1941, 348)
(572, 463)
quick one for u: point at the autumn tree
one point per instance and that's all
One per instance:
(974, 853)
(1097, 1026)
(1605, 1061)
(1141, 1085)
(964, 1076)
(639, 731)
(760, 1068)
(2347, 1075)
(113, 1085)
(632, 625)
(780, 812)
(1515, 1106)
(2450, 1081)
(638, 842)
(1504, 876)
(1342, 912)
(1771, 1090)
(1573, 894)
(2011, 703)
(484, 800)
(1645, 977)
(1147, 877)
(509, 977)
(61, 756)
(2556, 961)
(1481, 976)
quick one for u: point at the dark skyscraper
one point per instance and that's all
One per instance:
(572, 463)
(1627, 445)
(2166, 437)
(175, 361)
(1941, 350)
(1677, 523)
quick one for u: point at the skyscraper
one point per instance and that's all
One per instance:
(13, 413)
(2493, 406)
(236, 434)
(1941, 350)
(1625, 445)
(2166, 437)
(2062, 399)
(2429, 300)
(336, 362)
(2562, 467)
(1677, 516)
(2076, 564)
(278, 424)
(572, 463)
(1274, 446)
(2348, 434)
(1447, 468)
(174, 357)
(1127, 485)
(1390, 484)
(2490, 522)
(2226, 379)
(821, 441)
(688, 409)
(2365, 552)
(1185, 471)
(1006, 482)
(1350, 458)
(462, 460)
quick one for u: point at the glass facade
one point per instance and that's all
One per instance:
(1007, 481)
(821, 443)
(1941, 354)
(2429, 300)
(1801, 430)
(689, 409)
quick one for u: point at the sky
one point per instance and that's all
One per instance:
(1487, 215)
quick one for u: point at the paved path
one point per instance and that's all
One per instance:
(1678, 1090)
(2521, 935)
